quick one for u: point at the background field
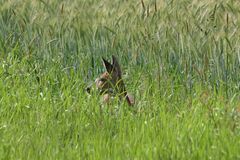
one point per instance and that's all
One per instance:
(181, 60)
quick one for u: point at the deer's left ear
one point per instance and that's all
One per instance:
(108, 66)
(116, 66)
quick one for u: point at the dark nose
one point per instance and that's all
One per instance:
(88, 89)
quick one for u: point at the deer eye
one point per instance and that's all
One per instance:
(103, 79)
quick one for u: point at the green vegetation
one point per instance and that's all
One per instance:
(181, 60)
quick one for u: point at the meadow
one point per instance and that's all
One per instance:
(180, 59)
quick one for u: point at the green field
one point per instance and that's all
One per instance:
(180, 59)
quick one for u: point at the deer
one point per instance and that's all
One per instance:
(110, 83)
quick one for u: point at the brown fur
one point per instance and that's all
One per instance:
(110, 83)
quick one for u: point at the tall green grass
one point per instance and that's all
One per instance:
(180, 60)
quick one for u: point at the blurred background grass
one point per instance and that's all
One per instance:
(180, 59)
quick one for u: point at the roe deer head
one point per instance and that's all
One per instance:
(110, 83)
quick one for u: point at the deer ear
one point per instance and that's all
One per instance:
(107, 65)
(116, 66)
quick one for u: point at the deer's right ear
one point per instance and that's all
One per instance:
(107, 65)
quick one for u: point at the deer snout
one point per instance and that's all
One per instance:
(88, 88)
